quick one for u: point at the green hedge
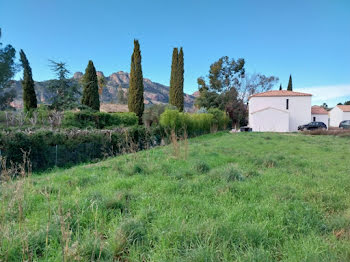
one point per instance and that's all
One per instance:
(66, 148)
(99, 120)
(195, 124)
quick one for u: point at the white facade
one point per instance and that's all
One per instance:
(270, 120)
(320, 118)
(279, 111)
(337, 115)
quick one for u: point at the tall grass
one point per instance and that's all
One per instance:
(235, 197)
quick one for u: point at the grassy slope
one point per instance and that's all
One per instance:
(266, 197)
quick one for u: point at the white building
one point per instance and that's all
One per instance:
(338, 114)
(279, 111)
(319, 114)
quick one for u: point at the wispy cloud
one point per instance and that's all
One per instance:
(329, 94)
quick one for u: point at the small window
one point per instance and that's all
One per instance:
(314, 119)
(287, 104)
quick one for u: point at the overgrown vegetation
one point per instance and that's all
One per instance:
(251, 197)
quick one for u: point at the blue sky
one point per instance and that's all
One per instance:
(309, 39)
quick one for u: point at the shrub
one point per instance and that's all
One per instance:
(99, 120)
(195, 124)
(68, 147)
(231, 173)
(202, 167)
(129, 233)
(220, 119)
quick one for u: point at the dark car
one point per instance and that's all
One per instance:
(313, 126)
(344, 124)
(245, 129)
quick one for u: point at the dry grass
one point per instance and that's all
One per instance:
(113, 108)
(330, 132)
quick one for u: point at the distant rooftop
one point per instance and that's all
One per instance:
(344, 108)
(279, 93)
(318, 110)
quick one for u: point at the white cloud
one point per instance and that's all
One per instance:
(327, 94)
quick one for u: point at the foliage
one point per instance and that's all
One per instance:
(91, 96)
(135, 97)
(176, 95)
(122, 97)
(29, 96)
(228, 88)
(194, 124)
(101, 81)
(65, 91)
(99, 120)
(8, 69)
(280, 87)
(68, 147)
(220, 119)
(152, 114)
(290, 84)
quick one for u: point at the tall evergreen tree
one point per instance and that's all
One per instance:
(90, 92)
(29, 96)
(65, 91)
(280, 87)
(290, 84)
(179, 92)
(135, 99)
(176, 96)
(8, 68)
(173, 76)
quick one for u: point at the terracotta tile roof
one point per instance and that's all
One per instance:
(344, 108)
(318, 110)
(279, 93)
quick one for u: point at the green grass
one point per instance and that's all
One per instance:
(237, 197)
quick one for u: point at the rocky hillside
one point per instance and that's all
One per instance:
(154, 93)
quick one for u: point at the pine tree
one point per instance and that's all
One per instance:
(29, 96)
(176, 96)
(135, 99)
(280, 87)
(290, 85)
(173, 76)
(90, 92)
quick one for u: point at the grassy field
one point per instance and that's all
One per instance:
(234, 197)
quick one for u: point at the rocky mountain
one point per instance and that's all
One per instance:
(154, 93)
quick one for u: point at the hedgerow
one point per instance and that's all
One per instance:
(99, 120)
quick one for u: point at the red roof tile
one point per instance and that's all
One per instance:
(344, 108)
(318, 110)
(279, 93)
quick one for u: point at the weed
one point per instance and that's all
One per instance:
(231, 173)
(202, 167)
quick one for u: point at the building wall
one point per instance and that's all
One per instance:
(299, 108)
(336, 116)
(320, 118)
(346, 115)
(270, 120)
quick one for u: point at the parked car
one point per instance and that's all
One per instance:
(313, 126)
(344, 124)
(245, 129)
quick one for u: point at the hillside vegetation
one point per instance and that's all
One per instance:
(222, 197)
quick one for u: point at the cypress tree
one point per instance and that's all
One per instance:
(135, 99)
(280, 87)
(91, 96)
(179, 91)
(29, 96)
(176, 95)
(290, 85)
(173, 76)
